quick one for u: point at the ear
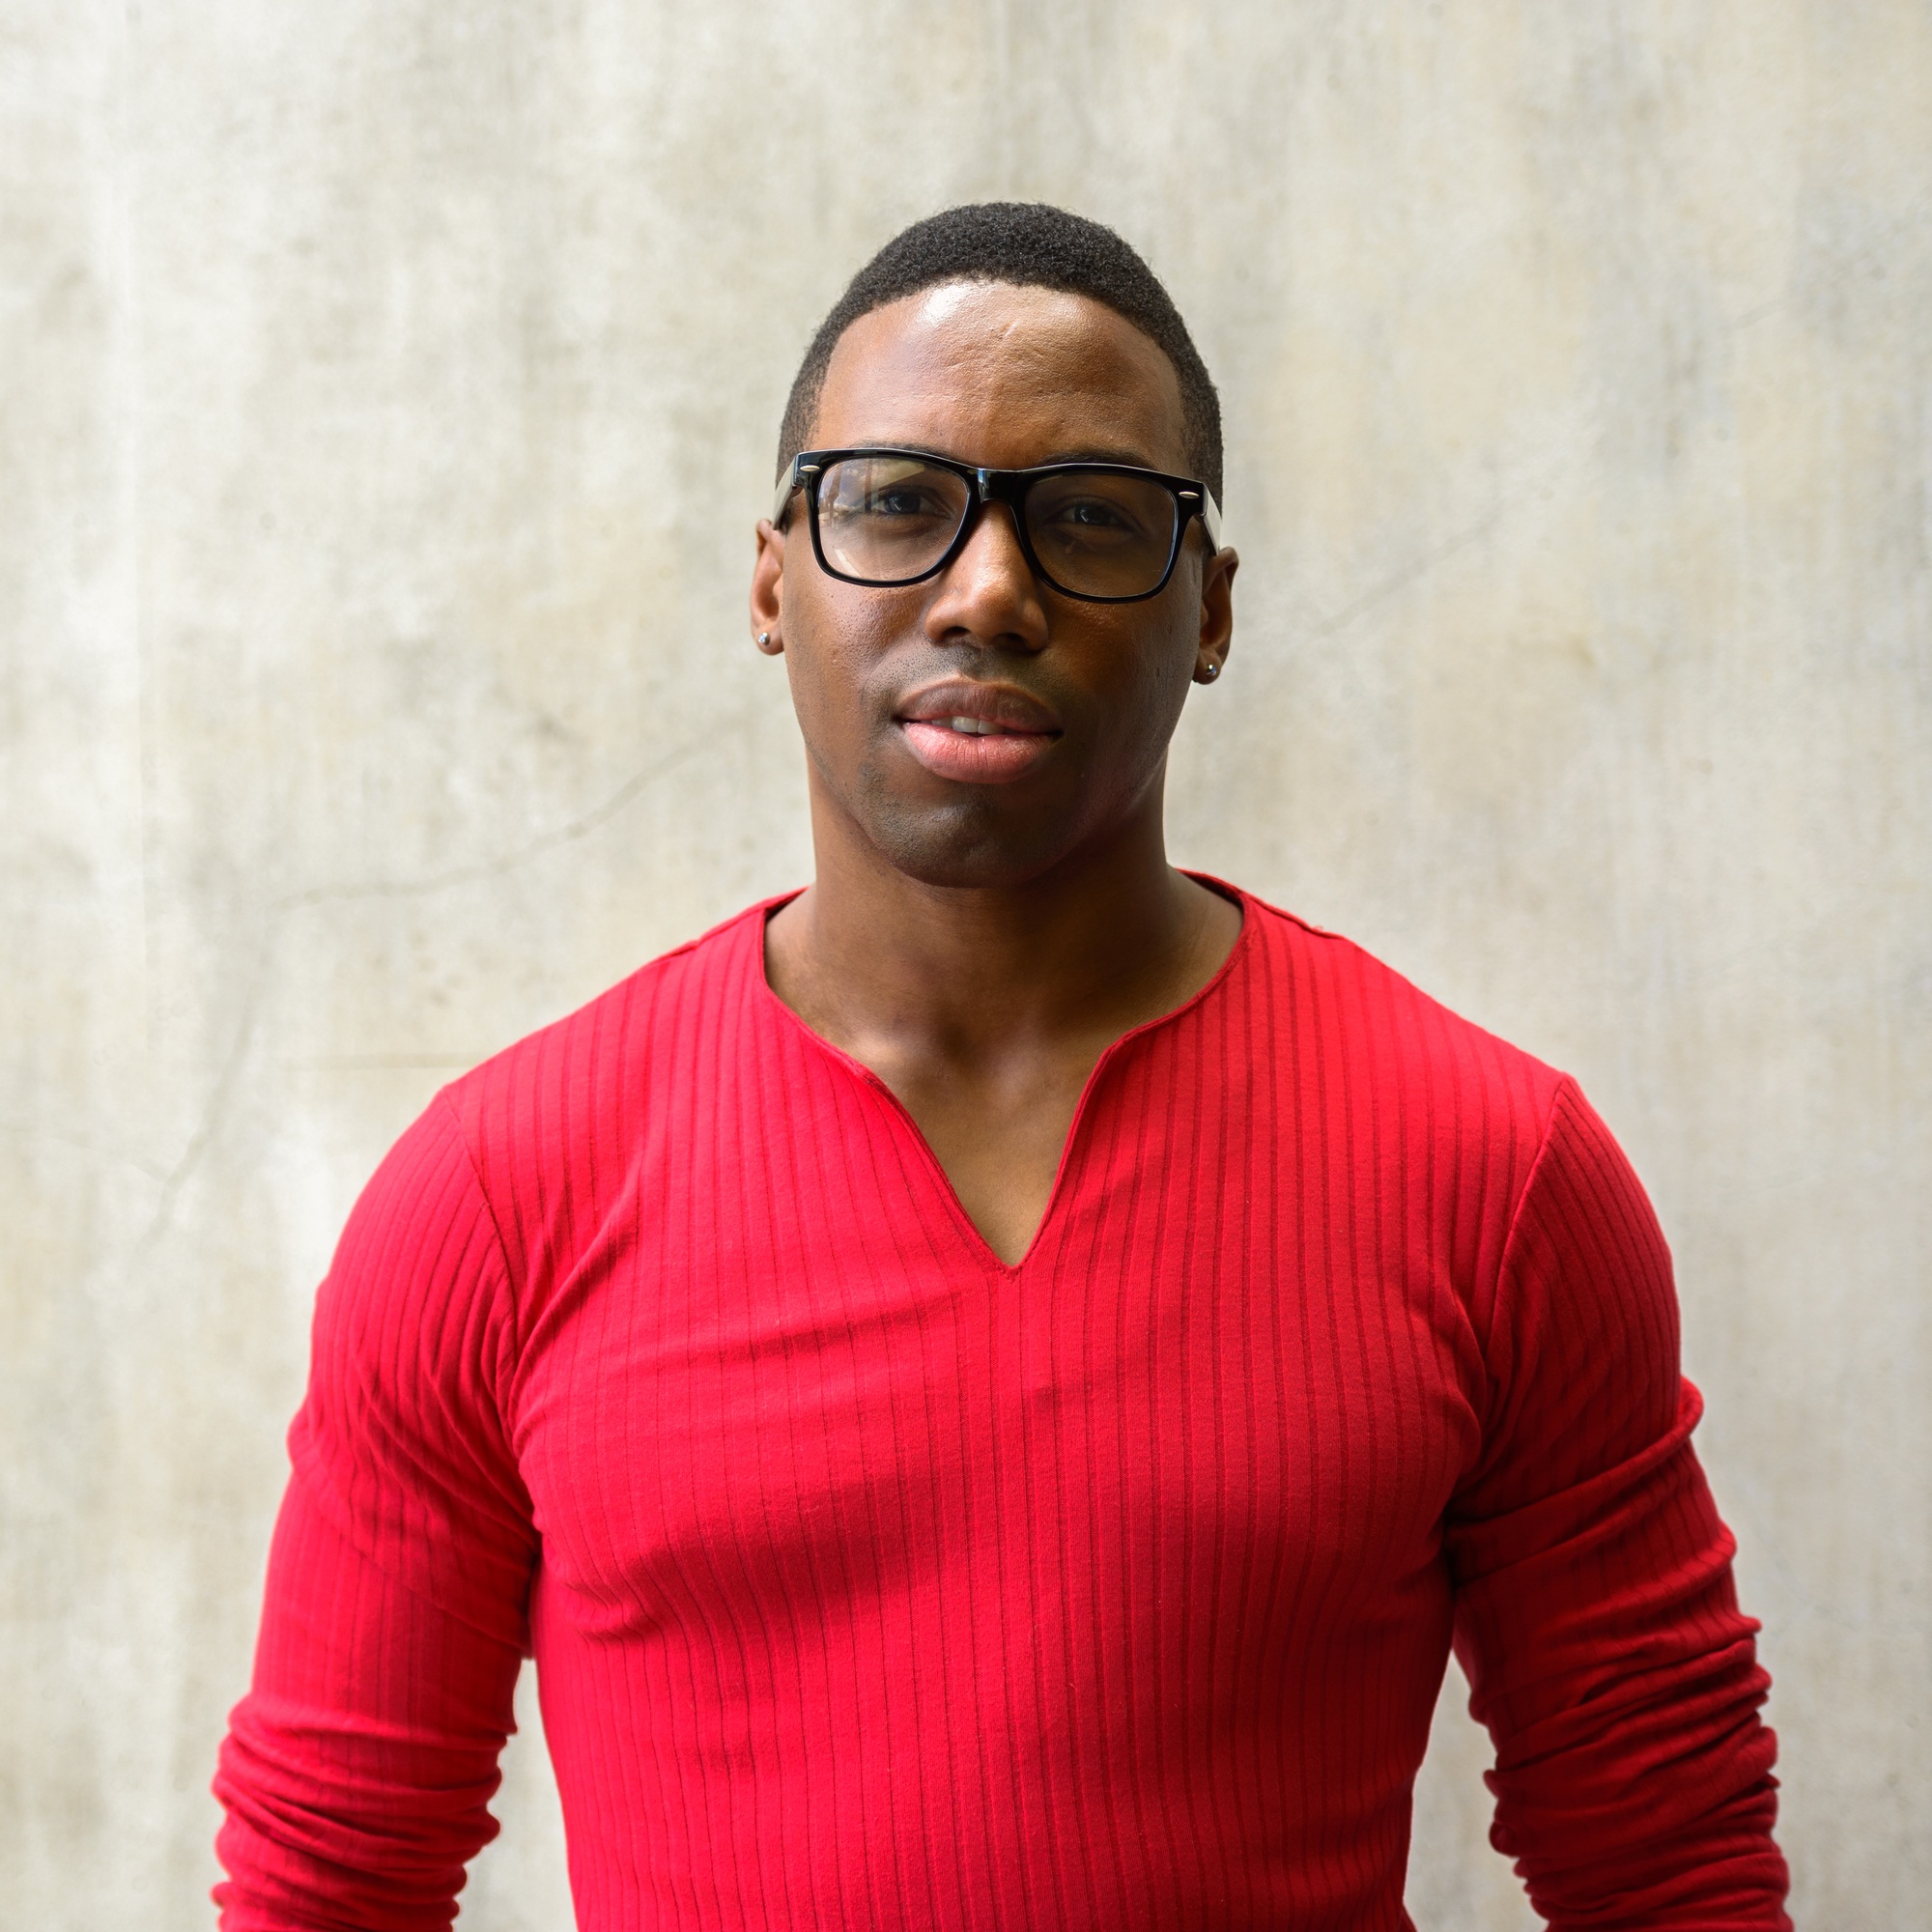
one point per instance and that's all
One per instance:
(768, 588)
(1217, 616)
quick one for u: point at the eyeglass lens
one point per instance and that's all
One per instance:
(889, 519)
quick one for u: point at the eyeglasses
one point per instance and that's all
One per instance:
(1104, 532)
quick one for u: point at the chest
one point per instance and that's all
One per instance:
(801, 1377)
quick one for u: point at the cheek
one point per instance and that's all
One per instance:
(829, 656)
(819, 696)
(1149, 686)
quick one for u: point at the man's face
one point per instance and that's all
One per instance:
(1083, 696)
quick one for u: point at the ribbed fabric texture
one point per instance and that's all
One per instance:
(873, 1583)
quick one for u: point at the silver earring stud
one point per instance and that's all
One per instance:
(765, 638)
(1210, 672)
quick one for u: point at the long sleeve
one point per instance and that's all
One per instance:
(1595, 1611)
(358, 1770)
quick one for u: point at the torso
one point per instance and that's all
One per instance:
(888, 1579)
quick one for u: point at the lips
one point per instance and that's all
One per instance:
(977, 733)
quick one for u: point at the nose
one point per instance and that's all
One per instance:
(988, 595)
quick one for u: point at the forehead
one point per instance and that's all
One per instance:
(1004, 376)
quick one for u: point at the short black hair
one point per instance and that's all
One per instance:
(1031, 245)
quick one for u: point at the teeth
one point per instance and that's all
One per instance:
(975, 727)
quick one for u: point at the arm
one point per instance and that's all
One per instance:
(357, 1770)
(1595, 1611)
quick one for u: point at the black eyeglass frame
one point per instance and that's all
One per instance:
(1192, 499)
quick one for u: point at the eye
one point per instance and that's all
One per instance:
(900, 500)
(1093, 513)
(889, 490)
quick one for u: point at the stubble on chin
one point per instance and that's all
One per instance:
(974, 841)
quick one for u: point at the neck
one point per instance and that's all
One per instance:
(870, 952)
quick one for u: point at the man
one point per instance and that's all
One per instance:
(988, 1385)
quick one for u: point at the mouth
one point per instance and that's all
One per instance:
(977, 733)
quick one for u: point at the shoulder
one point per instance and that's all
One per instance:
(1334, 1002)
(500, 1180)
(1550, 1239)
(1472, 1143)
(550, 1124)
(571, 1083)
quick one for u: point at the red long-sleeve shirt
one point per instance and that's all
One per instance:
(875, 1583)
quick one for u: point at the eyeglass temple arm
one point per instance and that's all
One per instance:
(1210, 514)
(795, 474)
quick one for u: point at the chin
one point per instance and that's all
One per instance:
(966, 847)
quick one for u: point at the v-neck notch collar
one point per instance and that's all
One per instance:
(758, 916)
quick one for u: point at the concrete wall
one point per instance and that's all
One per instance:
(385, 395)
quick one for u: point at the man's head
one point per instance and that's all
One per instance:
(1025, 245)
(979, 726)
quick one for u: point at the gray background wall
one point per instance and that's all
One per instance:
(385, 396)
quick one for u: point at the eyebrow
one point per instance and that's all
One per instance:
(1133, 458)
(1103, 453)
